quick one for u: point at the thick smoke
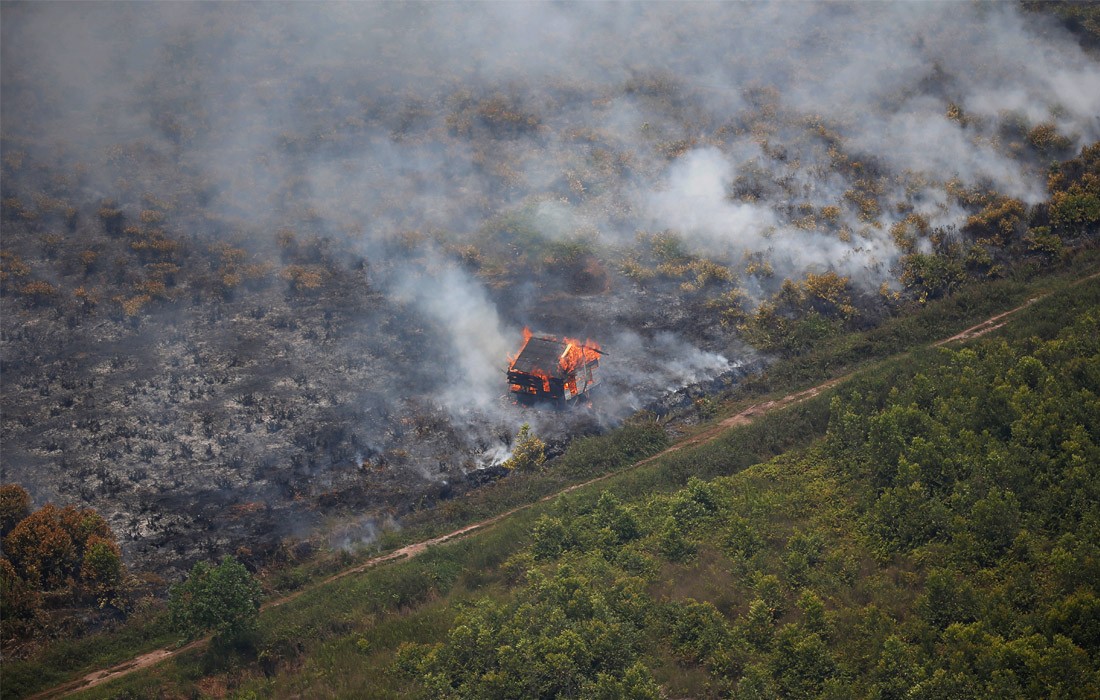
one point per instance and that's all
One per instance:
(471, 377)
(227, 89)
(495, 163)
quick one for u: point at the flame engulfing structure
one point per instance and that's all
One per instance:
(553, 369)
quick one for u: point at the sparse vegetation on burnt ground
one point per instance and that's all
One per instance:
(596, 456)
(783, 575)
(260, 289)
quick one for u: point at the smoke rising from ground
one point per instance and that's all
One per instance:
(494, 163)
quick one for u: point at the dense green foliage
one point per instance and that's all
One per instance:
(565, 634)
(224, 599)
(789, 551)
(943, 541)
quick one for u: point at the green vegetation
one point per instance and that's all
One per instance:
(529, 453)
(939, 538)
(223, 599)
(586, 458)
(190, 305)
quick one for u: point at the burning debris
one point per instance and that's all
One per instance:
(558, 370)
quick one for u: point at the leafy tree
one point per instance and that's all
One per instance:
(904, 517)
(759, 624)
(672, 543)
(1078, 617)
(742, 539)
(635, 684)
(551, 538)
(15, 504)
(529, 453)
(19, 600)
(610, 513)
(756, 684)
(696, 631)
(1075, 193)
(814, 616)
(101, 571)
(994, 521)
(931, 276)
(770, 590)
(897, 669)
(48, 546)
(697, 500)
(801, 662)
(948, 598)
(804, 550)
(224, 599)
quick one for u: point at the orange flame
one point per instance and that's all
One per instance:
(578, 354)
(527, 335)
(576, 357)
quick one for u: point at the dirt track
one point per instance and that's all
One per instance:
(745, 417)
(154, 657)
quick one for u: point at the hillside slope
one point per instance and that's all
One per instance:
(940, 539)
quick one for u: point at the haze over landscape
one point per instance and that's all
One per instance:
(265, 264)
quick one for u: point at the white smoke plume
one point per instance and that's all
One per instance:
(468, 150)
(460, 307)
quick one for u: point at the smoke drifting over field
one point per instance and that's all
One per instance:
(482, 167)
(347, 106)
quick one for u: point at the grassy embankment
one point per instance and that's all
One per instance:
(467, 568)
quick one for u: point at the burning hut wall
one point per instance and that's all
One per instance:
(548, 368)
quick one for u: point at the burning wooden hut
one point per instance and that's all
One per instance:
(548, 368)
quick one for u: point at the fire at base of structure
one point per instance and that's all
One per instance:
(552, 369)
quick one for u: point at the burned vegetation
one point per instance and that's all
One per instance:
(263, 271)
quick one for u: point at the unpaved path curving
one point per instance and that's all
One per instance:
(154, 657)
(745, 417)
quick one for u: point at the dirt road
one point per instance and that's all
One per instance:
(154, 657)
(745, 417)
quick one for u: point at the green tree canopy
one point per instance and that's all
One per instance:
(224, 599)
(530, 451)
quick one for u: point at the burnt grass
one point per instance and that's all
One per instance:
(201, 329)
(250, 419)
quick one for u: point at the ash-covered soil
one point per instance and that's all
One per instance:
(208, 421)
(262, 265)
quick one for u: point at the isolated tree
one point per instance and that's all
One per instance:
(223, 599)
(530, 451)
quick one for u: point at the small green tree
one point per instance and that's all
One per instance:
(759, 625)
(610, 513)
(551, 538)
(530, 451)
(801, 662)
(672, 543)
(102, 572)
(224, 599)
